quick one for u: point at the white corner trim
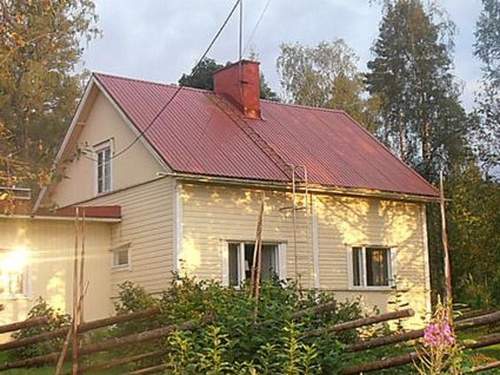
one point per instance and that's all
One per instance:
(425, 239)
(224, 253)
(178, 219)
(282, 261)
(315, 244)
(350, 278)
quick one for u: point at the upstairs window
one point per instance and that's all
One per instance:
(240, 260)
(371, 266)
(104, 169)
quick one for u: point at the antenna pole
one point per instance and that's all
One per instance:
(240, 52)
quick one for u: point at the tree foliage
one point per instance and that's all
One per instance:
(485, 124)
(40, 45)
(422, 118)
(201, 78)
(326, 76)
(424, 122)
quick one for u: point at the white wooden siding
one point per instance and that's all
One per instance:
(148, 225)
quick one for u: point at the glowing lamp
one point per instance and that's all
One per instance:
(15, 260)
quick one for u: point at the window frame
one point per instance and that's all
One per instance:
(26, 284)
(100, 148)
(391, 267)
(121, 267)
(279, 260)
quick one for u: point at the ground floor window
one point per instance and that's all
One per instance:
(240, 259)
(13, 273)
(371, 266)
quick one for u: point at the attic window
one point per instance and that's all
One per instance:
(103, 168)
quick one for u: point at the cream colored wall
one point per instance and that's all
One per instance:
(215, 214)
(135, 166)
(148, 226)
(345, 222)
(50, 270)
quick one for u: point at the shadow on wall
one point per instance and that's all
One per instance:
(216, 214)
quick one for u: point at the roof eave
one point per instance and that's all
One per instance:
(317, 188)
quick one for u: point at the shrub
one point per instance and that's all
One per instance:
(238, 341)
(56, 321)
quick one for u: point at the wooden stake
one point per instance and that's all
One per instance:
(255, 270)
(82, 266)
(444, 238)
(74, 334)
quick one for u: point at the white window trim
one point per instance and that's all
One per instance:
(121, 267)
(98, 147)
(392, 272)
(281, 262)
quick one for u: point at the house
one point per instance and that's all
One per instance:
(342, 213)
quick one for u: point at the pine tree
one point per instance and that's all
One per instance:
(486, 118)
(411, 75)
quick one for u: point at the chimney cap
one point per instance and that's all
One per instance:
(230, 65)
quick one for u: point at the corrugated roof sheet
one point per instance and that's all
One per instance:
(203, 134)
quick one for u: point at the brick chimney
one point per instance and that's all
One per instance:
(240, 84)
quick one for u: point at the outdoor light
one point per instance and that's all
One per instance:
(15, 260)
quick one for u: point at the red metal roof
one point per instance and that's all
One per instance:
(202, 133)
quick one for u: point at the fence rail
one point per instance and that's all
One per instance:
(474, 320)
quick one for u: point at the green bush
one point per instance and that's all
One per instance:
(239, 340)
(56, 321)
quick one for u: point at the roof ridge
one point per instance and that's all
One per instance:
(205, 91)
(157, 83)
(334, 110)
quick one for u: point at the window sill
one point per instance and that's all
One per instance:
(373, 289)
(121, 268)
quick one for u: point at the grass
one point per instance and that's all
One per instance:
(47, 370)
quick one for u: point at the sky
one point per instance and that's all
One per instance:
(161, 39)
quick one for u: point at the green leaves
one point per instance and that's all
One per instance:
(39, 49)
(326, 76)
(236, 342)
(411, 75)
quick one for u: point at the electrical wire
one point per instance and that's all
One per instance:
(195, 69)
(254, 30)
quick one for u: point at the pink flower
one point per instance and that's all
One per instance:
(439, 334)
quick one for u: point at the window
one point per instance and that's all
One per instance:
(13, 273)
(240, 260)
(121, 256)
(371, 266)
(104, 169)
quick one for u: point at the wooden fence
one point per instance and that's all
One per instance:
(476, 320)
